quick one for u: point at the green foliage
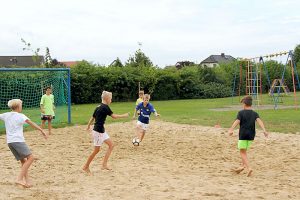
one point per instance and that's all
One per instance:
(139, 60)
(297, 54)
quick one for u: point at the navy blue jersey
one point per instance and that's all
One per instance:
(145, 112)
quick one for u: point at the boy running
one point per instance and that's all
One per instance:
(99, 134)
(144, 109)
(14, 121)
(246, 118)
(47, 108)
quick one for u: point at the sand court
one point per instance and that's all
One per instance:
(173, 162)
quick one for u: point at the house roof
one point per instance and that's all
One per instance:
(69, 63)
(22, 61)
(218, 59)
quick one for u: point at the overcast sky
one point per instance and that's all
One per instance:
(169, 30)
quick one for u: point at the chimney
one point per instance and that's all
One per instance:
(223, 55)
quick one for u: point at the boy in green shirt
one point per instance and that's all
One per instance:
(47, 108)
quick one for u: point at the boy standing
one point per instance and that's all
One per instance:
(144, 109)
(246, 118)
(98, 133)
(47, 108)
(14, 121)
(140, 99)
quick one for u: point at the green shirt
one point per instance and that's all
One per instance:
(48, 101)
(138, 101)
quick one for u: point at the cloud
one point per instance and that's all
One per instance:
(170, 30)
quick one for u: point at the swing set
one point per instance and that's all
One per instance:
(253, 69)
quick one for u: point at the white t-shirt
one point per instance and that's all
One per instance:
(14, 126)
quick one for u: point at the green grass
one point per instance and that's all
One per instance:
(195, 112)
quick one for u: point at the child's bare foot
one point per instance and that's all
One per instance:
(22, 184)
(87, 170)
(105, 168)
(249, 172)
(239, 170)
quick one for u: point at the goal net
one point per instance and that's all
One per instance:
(28, 84)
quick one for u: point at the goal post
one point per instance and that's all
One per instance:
(28, 84)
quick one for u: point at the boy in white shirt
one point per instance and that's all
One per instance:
(14, 121)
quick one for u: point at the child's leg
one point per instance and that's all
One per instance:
(49, 126)
(140, 133)
(245, 161)
(86, 167)
(26, 177)
(43, 124)
(108, 152)
(24, 170)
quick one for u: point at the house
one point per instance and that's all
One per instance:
(21, 61)
(215, 60)
(68, 63)
(182, 64)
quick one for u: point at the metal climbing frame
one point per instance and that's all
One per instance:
(254, 77)
(254, 81)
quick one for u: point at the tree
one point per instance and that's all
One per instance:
(297, 53)
(35, 52)
(48, 59)
(139, 60)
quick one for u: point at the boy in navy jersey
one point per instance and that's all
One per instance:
(246, 118)
(144, 109)
(98, 133)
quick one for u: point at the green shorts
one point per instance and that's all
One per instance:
(244, 144)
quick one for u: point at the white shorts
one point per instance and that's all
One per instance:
(142, 125)
(99, 138)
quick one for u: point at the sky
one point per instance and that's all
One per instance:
(167, 31)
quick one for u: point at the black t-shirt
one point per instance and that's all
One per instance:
(100, 115)
(247, 124)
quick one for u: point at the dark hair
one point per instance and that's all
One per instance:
(48, 87)
(247, 100)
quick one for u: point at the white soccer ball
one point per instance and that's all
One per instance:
(136, 141)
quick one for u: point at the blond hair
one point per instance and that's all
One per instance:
(106, 94)
(141, 92)
(14, 103)
(146, 96)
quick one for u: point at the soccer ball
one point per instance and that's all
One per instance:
(136, 141)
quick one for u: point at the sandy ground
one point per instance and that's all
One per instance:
(173, 162)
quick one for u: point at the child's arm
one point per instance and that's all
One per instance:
(92, 119)
(235, 123)
(34, 125)
(261, 124)
(134, 113)
(116, 116)
(156, 114)
(42, 108)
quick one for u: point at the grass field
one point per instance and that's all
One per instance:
(196, 112)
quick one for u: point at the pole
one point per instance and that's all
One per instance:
(69, 96)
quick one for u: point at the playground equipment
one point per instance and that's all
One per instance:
(254, 68)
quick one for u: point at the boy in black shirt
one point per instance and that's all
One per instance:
(98, 133)
(246, 118)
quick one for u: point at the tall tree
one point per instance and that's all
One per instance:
(297, 53)
(139, 60)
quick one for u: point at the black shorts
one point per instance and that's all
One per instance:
(47, 117)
